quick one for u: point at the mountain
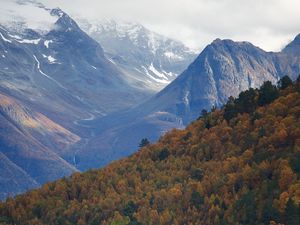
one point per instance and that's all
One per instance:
(293, 47)
(12, 174)
(243, 170)
(64, 66)
(145, 57)
(30, 147)
(223, 69)
(53, 77)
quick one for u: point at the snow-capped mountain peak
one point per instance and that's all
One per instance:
(148, 58)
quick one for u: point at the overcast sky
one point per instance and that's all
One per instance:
(269, 24)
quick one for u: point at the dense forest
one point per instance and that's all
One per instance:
(235, 165)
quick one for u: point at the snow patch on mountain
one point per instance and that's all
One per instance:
(39, 67)
(162, 81)
(18, 38)
(50, 58)
(171, 55)
(44, 74)
(27, 41)
(47, 42)
(156, 72)
(14, 36)
(4, 39)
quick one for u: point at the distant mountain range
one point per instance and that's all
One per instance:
(145, 57)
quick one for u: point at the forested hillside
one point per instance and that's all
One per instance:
(236, 165)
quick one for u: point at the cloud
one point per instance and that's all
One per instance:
(269, 24)
(20, 15)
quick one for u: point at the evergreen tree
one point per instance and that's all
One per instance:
(197, 199)
(267, 93)
(269, 212)
(230, 109)
(298, 79)
(246, 208)
(204, 113)
(163, 154)
(284, 82)
(129, 209)
(144, 142)
(246, 102)
(292, 213)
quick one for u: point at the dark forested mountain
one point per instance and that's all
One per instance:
(223, 69)
(238, 165)
(146, 58)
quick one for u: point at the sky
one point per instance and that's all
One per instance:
(269, 24)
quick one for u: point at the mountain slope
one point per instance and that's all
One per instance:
(39, 126)
(31, 146)
(239, 171)
(13, 179)
(53, 76)
(146, 58)
(293, 47)
(223, 69)
(64, 66)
